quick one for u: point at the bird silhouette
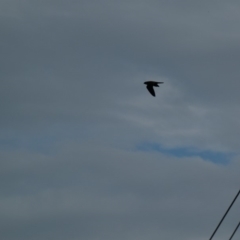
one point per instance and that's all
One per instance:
(150, 85)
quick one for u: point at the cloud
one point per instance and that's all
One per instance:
(107, 192)
(74, 110)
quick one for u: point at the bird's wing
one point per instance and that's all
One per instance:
(151, 90)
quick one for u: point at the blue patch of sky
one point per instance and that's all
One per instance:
(213, 156)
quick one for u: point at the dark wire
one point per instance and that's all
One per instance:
(234, 231)
(224, 215)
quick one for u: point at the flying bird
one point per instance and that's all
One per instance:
(150, 85)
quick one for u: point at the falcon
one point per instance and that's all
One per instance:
(150, 85)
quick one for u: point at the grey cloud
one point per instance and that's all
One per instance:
(73, 72)
(81, 192)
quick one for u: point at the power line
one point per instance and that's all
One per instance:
(234, 231)
(224, 215)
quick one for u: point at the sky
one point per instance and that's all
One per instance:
(86, 152)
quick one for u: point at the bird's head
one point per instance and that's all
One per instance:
(147, 82)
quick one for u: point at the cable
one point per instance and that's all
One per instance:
(234, 231)
(224, 215)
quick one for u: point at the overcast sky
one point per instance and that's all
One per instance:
(86, 153)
